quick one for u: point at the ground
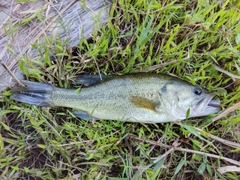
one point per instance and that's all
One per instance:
(198, 41)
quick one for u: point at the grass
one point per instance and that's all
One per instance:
(198, 41)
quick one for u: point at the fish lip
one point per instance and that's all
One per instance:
(213, 103)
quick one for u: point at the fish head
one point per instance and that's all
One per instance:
(178, 98)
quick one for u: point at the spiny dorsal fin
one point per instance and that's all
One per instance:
(143, 103)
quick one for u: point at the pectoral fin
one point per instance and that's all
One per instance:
(84, 115)
(143, 103)
(90, 79)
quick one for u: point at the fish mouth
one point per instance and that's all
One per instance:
(212, 103)
(206, 105)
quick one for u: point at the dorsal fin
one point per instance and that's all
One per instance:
(90, 79)
(143, 103)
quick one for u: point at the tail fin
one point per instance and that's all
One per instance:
(33, 93)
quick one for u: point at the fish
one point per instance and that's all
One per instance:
(140, 97)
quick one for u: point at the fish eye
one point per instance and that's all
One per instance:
(197, 91)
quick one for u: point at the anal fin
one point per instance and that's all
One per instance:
(84, 115)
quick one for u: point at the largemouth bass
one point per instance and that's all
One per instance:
(142, 97)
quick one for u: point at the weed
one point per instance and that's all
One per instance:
(187, 39)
